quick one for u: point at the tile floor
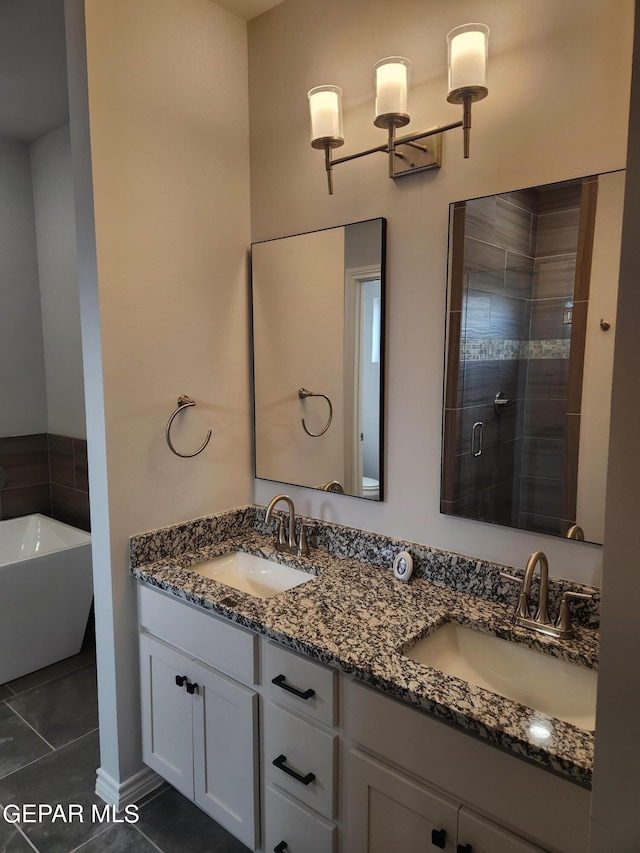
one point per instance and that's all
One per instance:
(49, 754)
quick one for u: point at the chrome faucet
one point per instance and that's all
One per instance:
(301, 547)
(563, 629)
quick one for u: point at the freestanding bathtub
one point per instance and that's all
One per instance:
(45, 593)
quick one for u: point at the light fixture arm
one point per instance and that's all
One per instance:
(393, 142)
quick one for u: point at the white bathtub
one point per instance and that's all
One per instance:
(45, 593)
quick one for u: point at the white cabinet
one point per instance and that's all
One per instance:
(391, 811)
(478, 835)
(200, 728)
(401, 764)
(300, 753)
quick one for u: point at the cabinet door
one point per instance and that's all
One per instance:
(389, 811)
(225, 744)
(167, 727)
(483, 836)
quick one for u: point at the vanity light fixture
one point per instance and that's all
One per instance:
(467, 60)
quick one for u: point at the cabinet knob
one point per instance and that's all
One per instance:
(439, 838)
(191, 687)
(180, 680)
(464, 848)
(280, 848)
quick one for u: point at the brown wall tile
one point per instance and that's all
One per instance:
(585, 239)
(576, 357)
(70, 506)
(557, 233)
(80, 464)
(25, 460)
(25, 500)
(456, 279)
(547, 320)
(554, 277)
(61, 460)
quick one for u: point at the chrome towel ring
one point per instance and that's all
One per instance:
(303, 393)
(184, 402)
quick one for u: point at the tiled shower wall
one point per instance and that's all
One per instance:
(544, 448)
(499, 243)
(511, 287)
(45, 473)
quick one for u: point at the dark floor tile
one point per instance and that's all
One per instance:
(61, 710)
(177, 826)
(48, 673)
(5, 692)
(19, 745)
(12, 840)
(122, 838)
(65, 776)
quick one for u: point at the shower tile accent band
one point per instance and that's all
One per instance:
(484, 349)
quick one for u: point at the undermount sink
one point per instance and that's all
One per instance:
(545, 683)
(249, 573)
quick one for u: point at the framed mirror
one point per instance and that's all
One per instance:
(318, 358)
(530, 330)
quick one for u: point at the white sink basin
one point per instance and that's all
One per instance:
(248, 573)
(547, 684)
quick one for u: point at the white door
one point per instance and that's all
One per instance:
(388, 812)
(167, 727)
(225, 745)
(483, 836)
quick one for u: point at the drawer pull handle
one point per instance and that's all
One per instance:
(439, 838)
(280, 848)
(464, 848)
(279, 762)
(191, 687)
(280, 681)
(180, 680)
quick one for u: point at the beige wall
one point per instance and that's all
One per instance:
(616, 788)
(167, 103)
(598, 357)
(559, 88)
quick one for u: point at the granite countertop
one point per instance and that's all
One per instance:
(353, 615)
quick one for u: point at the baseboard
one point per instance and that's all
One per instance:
(121, 794)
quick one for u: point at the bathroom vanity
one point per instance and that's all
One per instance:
(297, 721)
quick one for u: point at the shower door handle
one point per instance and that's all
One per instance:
(477, 432)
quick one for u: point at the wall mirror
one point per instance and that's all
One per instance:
(318, 358)
(532, 297)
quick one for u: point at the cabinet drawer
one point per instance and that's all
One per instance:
(295, 675)
(303, 749)
(219, 644)
(301, 830)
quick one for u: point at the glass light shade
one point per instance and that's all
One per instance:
(325, 108)
(468, 48)
(392, 85)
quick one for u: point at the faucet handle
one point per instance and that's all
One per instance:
(303, 544)
(564, 623)
(522, 608)
(280, 531)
